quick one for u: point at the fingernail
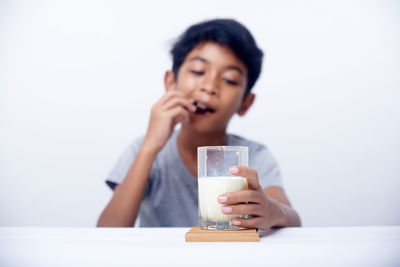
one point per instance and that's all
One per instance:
(234, 170)
(235, 222)
(226, 209)
(222, 199)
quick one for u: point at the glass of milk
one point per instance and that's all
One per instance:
(214, 179)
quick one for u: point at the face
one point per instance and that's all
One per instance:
(215, 80)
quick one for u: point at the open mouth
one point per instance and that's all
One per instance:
(203, 109)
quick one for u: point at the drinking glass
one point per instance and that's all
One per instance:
(214, 179)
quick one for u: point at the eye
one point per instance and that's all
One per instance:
(198, 73)
(231, 82)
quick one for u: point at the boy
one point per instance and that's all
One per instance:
(215, 65)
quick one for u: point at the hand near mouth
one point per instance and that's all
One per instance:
(171, 109)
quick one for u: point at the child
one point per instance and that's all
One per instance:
(215, 65)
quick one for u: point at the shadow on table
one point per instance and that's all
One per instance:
(268, 232)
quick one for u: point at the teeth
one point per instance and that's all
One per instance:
(201, 106)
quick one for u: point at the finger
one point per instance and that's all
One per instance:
(178, 114)
(242, 209)
(181, 119)
(179, 101)
(254, 222)
(170, 95)
(241, 196)
(248, 173)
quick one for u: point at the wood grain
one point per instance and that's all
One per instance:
(197, 234)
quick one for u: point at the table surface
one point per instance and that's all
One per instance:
(327, 246)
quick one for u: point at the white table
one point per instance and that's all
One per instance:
(348, 246)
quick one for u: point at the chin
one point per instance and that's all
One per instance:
(203, 127)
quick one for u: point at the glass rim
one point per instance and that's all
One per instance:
(222, 148)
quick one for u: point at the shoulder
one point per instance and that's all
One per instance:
(136, 144)
(260, 159)
(254, 146)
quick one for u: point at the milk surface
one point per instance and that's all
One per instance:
(209, 190)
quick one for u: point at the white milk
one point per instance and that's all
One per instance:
(209, 190)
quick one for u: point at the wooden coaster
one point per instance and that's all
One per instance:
(197, 234)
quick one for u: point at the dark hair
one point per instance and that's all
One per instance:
(227, 32)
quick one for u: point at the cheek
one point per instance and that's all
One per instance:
(187, 86)
(233, 100)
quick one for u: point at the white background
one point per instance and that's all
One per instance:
(78, 79)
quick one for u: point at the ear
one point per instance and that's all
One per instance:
(246, 104)
(169, 80)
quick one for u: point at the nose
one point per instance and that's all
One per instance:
(210, 85)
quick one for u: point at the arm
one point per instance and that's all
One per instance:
(283, 212)
(124, 205)
(268, 208)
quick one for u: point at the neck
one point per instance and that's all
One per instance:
(188, 140)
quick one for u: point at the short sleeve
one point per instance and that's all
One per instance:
(266, 166)
(123, 164)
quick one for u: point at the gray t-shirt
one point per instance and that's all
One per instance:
(170, 197)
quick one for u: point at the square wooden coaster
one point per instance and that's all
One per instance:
(198, 234)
